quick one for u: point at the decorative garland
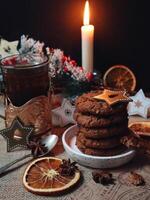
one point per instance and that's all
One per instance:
(66, 72)
(60, 65)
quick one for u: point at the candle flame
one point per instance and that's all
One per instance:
(87, 13)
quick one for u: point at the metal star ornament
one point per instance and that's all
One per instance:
(16, 135)
(140, 104)
(113, 96)
(63, 115)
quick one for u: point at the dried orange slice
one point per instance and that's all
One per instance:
(43, 177)
(120, 77)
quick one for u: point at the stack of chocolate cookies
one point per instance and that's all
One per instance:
(101, 126)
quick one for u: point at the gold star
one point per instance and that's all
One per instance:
(112, 97)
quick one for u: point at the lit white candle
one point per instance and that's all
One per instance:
(87, 32)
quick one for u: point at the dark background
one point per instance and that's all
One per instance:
(122, 34)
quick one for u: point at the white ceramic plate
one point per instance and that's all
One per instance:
(69, 143)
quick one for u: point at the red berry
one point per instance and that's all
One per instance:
(23, 62)
(64, 59)
(89, 76)
(73, 62)
(65, 69)
(13, 60)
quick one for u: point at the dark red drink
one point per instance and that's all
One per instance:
(24, 81)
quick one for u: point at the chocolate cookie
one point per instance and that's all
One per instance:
(99, 144)
(98, 133)
(101, 152)
(133, 141)
(90, 121)
(87, 104)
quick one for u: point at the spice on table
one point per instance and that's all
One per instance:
(68, 168)
(37, 149)
(103, 177)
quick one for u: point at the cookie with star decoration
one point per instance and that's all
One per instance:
(99, 103)
(113, 96)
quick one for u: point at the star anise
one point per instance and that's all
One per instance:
(37, 149)
(68, 168)
(103, 177)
